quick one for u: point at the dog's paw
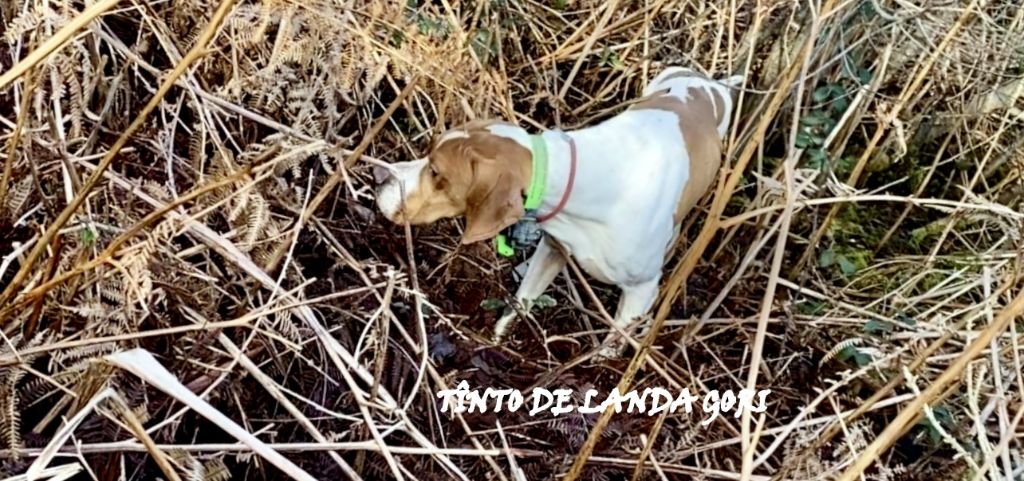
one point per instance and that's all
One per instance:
(611, 350)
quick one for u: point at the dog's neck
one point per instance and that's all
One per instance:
(559, 153)
(581, 200)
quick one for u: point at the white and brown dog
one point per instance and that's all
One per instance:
(615, 194)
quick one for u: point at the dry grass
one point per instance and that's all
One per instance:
(195, 284)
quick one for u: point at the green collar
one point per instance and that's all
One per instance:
(534, 192)
(539, 175)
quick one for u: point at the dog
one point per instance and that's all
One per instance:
(614, 194)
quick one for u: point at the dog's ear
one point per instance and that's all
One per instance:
(501, 169)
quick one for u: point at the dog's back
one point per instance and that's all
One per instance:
(703, 107)
(689, 85)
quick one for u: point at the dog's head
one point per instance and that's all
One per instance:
(478, 171)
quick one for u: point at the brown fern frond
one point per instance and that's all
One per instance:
(215, 470)
(17, 197)
(10, 412)
(72, 86)
(257, 220)
(77, 359)
(157, 190)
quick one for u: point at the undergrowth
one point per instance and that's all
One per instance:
(274, 291)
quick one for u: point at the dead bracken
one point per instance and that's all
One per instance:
(195, 284)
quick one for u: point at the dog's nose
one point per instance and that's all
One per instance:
(380, 174)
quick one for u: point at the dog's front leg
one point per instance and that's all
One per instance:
(636, 301)
(545, 263)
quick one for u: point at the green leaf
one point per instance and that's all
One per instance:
(826, 258)
(616, 62)
(906, 320)
(803, 140)
(88, 236)
(544, 301)
(844, 166)
(846, 265)
(830, 123)
(492, 304)
(944, 418)
(558, 4)
(840, 105)
(817, 158)
(852, 353)
(864, 75)
(483, 44)
(811, 308)
(876, 327)
(814, 118)
(846, 353)
(397, 37)
(611, 59)
(821, 94)
(867, 10)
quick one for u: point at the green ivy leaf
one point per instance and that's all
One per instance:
(814, 118)
(852, 353)
(492, 304)
(846, 353)
(821, 94)
(811, 308)
(826, 258)
(830, 123)
(847, 266)
(864, 75)
(944, 418)
(906, 320)
(544, 301)
(840, 105)
(803, 140)
(875, 326)
(817, 158)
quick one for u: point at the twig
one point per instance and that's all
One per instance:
(12, 145)
(891, 116)
(935, 392)
(198, 50)
(609, 9)
(768, 300)
(56, 41)
(338, 174)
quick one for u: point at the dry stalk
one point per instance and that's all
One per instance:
(197, 51)
(938, 390)
(891, 116)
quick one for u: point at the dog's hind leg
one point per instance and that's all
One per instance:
(635, 302)
(545, 263)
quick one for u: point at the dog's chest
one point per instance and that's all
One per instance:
(615, 254)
